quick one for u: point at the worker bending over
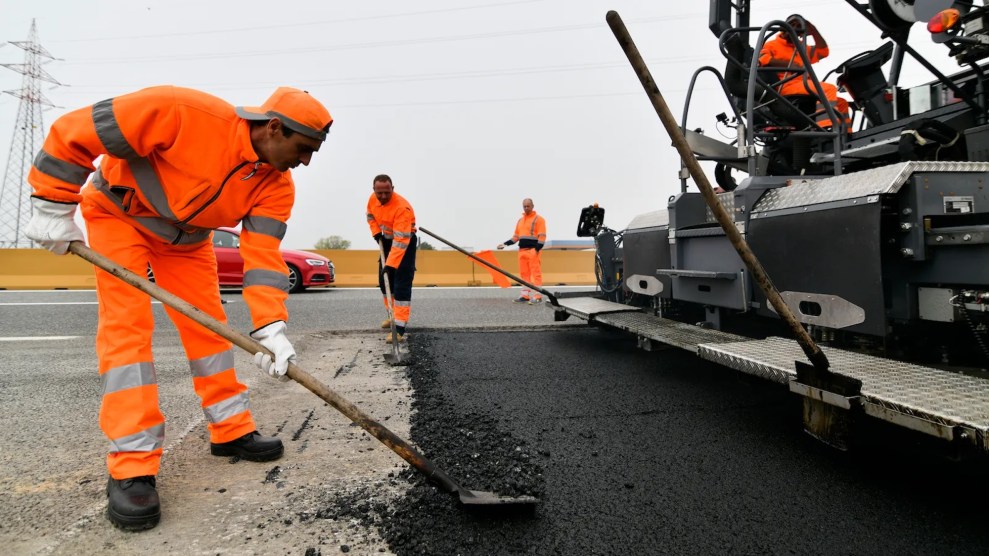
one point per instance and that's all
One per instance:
(176, 163)
(393, 225)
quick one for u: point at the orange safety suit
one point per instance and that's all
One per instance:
(176, 164)
(530, 234)
(396, 222)
(800, 83)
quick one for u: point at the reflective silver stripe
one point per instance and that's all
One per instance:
(261, 277)
(386, 228)
(172, 234)
(128, 376)
(528, 237)
(403, 303)
(400, 322)
(212, 364)
(370, 217)
(98, 180)
(60, 169)
(400, 245)
(221, 411)
(109, 132)
(265, 225)
(147, 440)
(387, 235)
(297, 126)
(403, 234)
(532, 228)
(148, 183)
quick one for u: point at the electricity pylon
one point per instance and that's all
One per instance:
(29, 135)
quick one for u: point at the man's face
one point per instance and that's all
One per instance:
(288, 152)
(527, 207)
(382, 191)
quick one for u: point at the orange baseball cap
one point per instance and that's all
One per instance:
(297, 109)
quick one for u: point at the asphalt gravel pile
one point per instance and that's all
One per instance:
(634, 452)
(474, 450)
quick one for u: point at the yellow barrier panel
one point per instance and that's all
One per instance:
(22, 269)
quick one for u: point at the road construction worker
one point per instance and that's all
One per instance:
(393, 225)
(780, 52)
(530, 234)
(176, 163)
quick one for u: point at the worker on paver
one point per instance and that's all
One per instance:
(530, 234)
(393, 225)
(176, 163)
(781, 53)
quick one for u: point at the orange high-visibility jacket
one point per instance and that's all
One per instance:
(781, 49)
(396, 221)
(176, 163)
(530, 231)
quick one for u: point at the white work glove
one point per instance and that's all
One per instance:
(53, 225)
(273, 337)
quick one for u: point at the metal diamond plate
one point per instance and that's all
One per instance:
(875, 181)
(681, 335)
(586, 307)
(727, 200)
(650, 220)
(938, 396)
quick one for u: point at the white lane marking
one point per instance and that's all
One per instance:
(49, 303)
(225, 302)
(35, 338)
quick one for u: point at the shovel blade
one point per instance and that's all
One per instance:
(396, 359)
(481, 498)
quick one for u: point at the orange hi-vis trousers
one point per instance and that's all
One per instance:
(531, 271)
(130, 416)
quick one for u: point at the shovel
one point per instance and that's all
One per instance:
(388, 438)
(825, 421)
(550, 296)
(395, 357)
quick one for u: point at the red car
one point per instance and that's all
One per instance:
(305, 269)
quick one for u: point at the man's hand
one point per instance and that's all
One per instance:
(377, 237)
(273, 337)
(53, 225)
(389, 272)
(501, 246)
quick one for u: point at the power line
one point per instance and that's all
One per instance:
(304, 24)
(407, 78)
(364, 45)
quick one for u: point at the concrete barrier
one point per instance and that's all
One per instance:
(22, 269)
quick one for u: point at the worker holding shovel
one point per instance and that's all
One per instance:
(393, 225)
(176, 163)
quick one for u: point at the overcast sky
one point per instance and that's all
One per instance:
(470, 105)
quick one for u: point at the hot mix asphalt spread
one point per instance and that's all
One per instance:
(632, 452)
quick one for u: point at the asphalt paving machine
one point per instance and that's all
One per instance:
(874, 230)
(877, 236)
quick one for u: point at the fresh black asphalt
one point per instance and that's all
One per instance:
(634, 452)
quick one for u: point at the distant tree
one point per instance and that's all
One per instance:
(426, 246)
(332, 242)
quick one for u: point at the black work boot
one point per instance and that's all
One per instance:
(133, 504)
(252, 447)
